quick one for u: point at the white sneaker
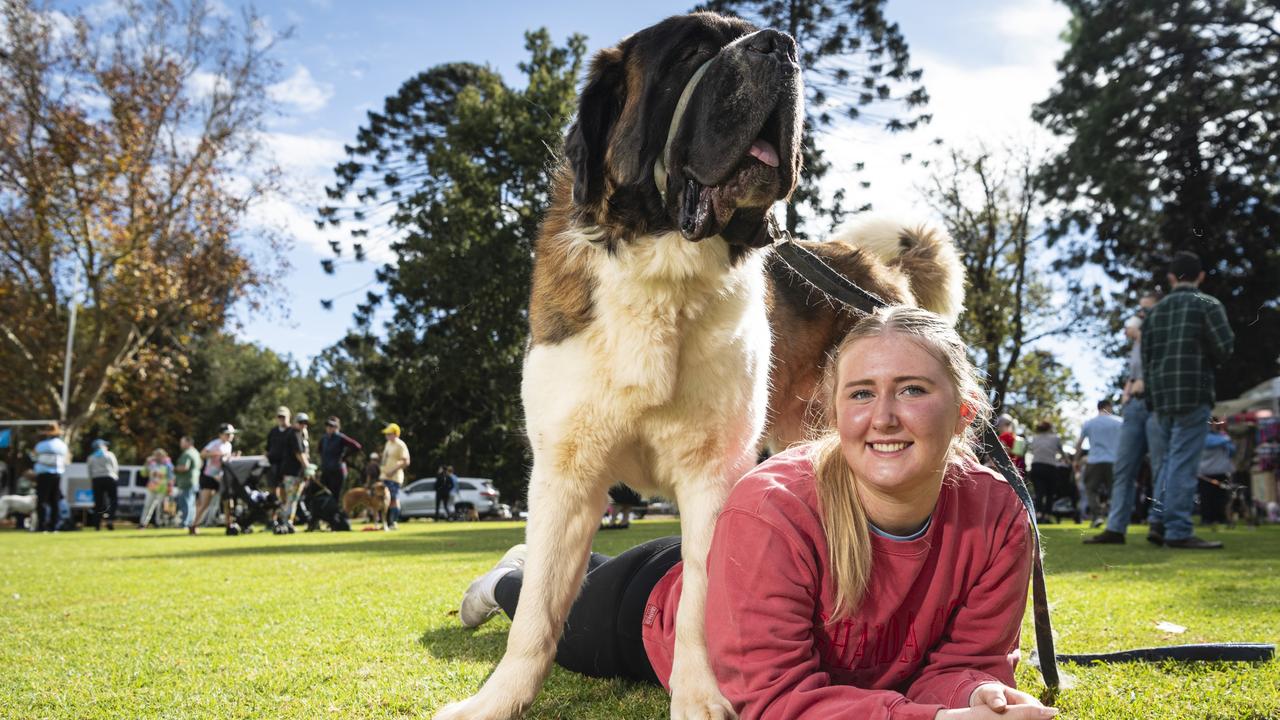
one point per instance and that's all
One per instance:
(478, 602)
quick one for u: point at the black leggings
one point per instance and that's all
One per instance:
(602, 634)
(48, 493)
(105, 496)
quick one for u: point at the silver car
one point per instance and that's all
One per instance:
(418, 498)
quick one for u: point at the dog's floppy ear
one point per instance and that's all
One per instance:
(598, 109)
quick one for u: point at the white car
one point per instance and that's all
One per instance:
(418, 498)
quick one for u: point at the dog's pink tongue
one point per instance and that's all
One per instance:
(765, 152)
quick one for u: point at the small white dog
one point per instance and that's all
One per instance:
(18, 505)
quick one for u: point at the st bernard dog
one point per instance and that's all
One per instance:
(654, 302)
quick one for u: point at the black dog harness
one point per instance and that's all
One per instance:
(844, 292)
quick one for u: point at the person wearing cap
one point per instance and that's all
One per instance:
(395, 458)
(334, 446)
(294, 467)
(1183, 338)
(277, 451)
(104, 470)
(51, 459)
(216, 452)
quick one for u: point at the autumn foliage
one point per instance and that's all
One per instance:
(129, 156)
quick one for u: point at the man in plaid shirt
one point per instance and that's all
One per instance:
(1183, 338)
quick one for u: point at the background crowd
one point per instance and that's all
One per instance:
(1164, 454)
(184, 489)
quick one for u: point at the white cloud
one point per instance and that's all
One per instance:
(202, 84)
(304, 155)
(102, 12)
(970, 104)
(301, 91)
(1033, 20)
(306, 163)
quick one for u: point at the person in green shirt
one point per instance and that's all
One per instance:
(185, 470)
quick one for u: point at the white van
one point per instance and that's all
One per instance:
(131, 490)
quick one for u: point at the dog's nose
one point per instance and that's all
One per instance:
(772, 42)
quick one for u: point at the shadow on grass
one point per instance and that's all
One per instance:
(454, 642)
(1065, 553)
(478, 540)
(471, 537)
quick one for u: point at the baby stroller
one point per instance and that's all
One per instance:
(250, 505)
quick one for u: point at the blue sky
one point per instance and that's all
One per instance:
(985, 62)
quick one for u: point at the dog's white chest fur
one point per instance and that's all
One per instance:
(674, 360)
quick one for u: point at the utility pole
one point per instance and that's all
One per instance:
(66, 366)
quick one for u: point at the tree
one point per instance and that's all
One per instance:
(127, 156)
(989, 204)
(1039, 388)
(1169, 112)
(344, 388)
(457, 165)
(853, 59)
(223, 380)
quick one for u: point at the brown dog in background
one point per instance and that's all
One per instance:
(376, 498)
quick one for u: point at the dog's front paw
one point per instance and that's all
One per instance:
(700, 704)
(473, 708)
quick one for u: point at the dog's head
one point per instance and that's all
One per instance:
(692, 124)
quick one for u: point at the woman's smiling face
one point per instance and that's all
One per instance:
(897, 412)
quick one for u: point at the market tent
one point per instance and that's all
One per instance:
(1264, 396)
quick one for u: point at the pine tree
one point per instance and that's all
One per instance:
(456, 167)
(1170, 111)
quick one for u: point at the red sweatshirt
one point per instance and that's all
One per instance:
(941, 614)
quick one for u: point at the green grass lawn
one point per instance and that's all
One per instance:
(156, 624)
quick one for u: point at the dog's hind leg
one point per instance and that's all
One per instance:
(564, 513)
(695, 695)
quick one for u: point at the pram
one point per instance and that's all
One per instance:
(250, 505)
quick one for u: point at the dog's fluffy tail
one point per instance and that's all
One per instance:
(926, 255)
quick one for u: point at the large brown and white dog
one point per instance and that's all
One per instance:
(654, 301)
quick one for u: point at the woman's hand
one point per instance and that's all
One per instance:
(998, 696)
(1011, 712)
(995, 701)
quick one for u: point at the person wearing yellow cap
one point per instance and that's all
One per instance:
(395, 458)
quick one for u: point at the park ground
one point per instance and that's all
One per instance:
(157, 624)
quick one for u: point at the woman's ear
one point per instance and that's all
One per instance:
(966, 417)
(598, 109)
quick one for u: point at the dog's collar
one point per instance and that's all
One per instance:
(660, 167)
